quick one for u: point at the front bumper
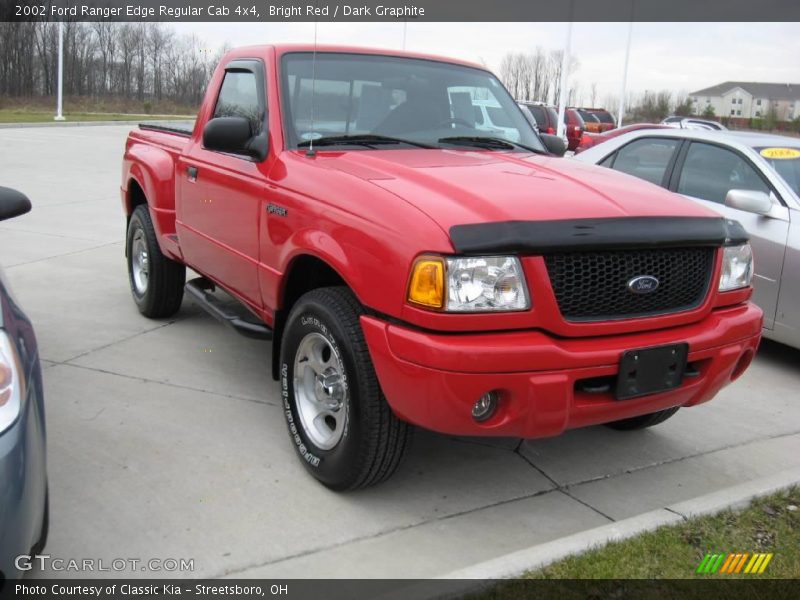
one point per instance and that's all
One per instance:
(433, 380)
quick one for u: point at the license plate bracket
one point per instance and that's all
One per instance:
(646, 371)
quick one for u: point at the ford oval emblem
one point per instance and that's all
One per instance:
(643, 284)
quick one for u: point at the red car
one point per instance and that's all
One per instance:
(589, 140)
(591, 123)
(575, 127)
(411, 266)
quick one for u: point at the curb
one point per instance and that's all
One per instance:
(482, 575)
(133, 122)
(65, 124)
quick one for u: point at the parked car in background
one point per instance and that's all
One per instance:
(750, 177)
(547, 120)
(575, 127)
(546, 117)
(589, 140)
(605, 117)
(24, 514)
(693, 123)
(591, 123)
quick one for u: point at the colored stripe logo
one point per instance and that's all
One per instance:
(737, 562)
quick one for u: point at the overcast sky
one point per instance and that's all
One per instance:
(678, 56)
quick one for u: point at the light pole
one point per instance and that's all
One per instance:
(562, 94)
(621, 112)
(59, 109)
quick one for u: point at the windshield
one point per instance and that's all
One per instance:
(786, 162)
(422, 102)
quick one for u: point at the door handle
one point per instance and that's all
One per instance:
(191, 172)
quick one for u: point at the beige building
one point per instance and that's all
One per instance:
(747, 99)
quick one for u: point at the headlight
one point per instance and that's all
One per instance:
(737, 267)
(11, 382)
(471, 284)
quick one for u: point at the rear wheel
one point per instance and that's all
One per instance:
(156, 281)
(643, 421)
(339, 421)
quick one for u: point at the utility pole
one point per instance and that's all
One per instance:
(59, 109)
(562, 94)
(621, 112)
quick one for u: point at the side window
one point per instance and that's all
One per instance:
(239, 97)
(646, 158)
(710, 172)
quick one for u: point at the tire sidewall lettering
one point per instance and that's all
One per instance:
(310, 322)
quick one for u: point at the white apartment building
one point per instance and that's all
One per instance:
(747, 100)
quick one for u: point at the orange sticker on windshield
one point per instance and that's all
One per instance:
(780, 153)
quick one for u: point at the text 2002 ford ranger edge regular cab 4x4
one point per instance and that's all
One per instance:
(416, 267)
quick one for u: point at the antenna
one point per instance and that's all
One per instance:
(311, 151)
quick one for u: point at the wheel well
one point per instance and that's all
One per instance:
(305, 273)
(135, 196)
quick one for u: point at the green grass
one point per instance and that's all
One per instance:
(29, 116)
(769, 524)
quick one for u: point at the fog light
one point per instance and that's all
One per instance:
(485, 407)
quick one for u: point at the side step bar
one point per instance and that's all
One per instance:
(242, 321)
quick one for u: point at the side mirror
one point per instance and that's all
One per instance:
(12, 203)
(750, 201)
(234, 135)
(554, 144)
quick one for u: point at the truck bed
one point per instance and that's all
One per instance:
(183, 128)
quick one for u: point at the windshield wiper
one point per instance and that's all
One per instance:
(368, 140)
(488, 143)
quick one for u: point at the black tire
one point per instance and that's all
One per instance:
(162, 293)
(373, 440)
(38, 547)
(643, 421)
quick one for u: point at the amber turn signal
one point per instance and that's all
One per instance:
(427, 282)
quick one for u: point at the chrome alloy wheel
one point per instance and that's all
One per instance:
(140, 264)
(320, 391)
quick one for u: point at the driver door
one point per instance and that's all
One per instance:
(220, 194)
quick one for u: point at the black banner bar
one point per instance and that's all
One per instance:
(394, 10)
(699, 587)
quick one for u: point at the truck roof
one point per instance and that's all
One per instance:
(280, 49)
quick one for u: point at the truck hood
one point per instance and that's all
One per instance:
(456, 187)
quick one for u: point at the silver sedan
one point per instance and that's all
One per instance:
(751, 177)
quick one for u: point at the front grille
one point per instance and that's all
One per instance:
(592, 286)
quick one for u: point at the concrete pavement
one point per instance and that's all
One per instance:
(166, 439)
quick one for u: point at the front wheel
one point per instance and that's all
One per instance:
(339, 421)
(643, 421)
(156, 281)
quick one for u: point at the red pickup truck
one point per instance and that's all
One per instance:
(413, 267)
